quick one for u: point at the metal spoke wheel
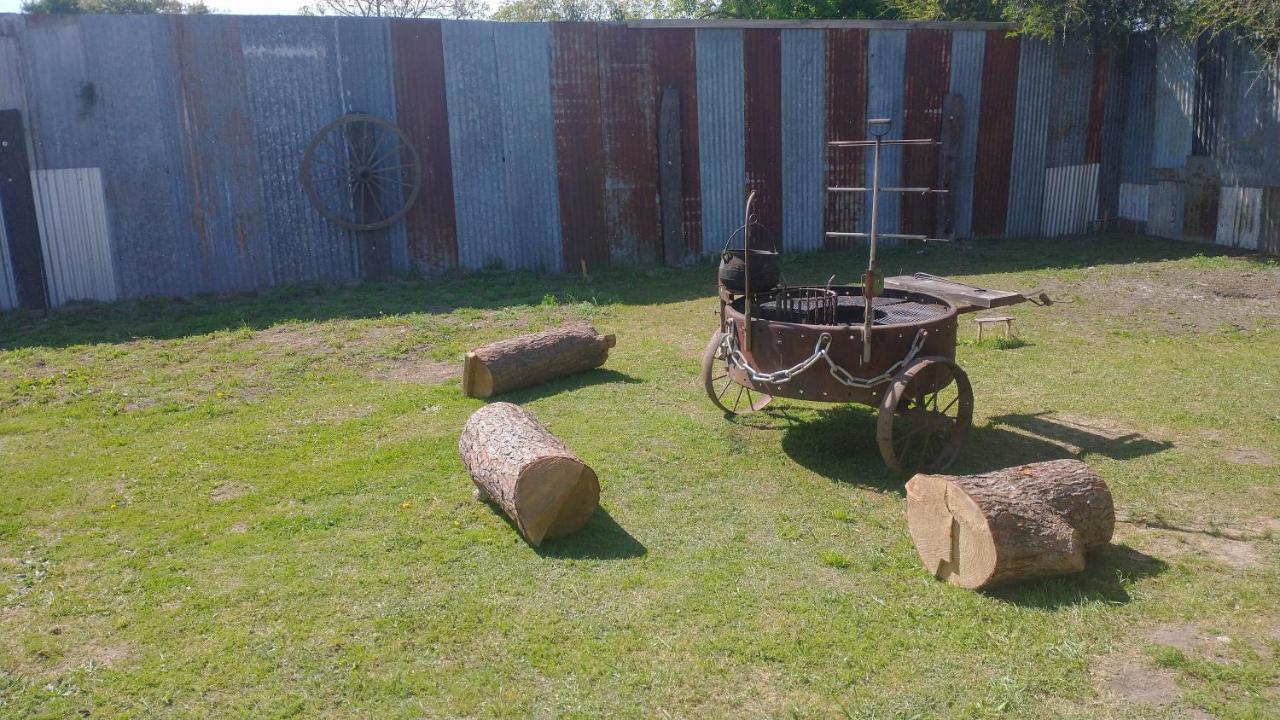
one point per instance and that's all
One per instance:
(925, 416)
(361, 172)
(732, 398)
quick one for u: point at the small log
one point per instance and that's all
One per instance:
(516, 463)
(532, 359)
(1037, 520)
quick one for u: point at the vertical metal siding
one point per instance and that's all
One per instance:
(533, 238)
(927, 74)
(1139, 116)
(675, 66)
(12, 92)
(996, 123)
(1071, 92)
(71, 209)
(1269, 237)
(886, 68)
(803, 148)
(1134, 201)
(1026, 190)
(65, 122)
(575, 88)
(1174, 102)
(762, 124)
(1070, 200)
(1240, 217)
(8, 288)
(1110, 147)
(291, 80)
(629, 119)
(1201, 190)
(846, 112)
(968, 47)
(722, 163)
(1167, 210)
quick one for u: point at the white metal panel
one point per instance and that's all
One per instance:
(1135, 201)
(1239, 217)
(1070, 199)
(1167, 209)
(72, 215)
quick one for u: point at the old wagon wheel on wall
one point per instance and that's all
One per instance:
(925, 416)
(732, 398)
(361, 172)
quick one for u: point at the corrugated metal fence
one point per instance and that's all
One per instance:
(164, 152)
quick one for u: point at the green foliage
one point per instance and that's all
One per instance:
(114, 7)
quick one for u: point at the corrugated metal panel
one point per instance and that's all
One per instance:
(1201, 188)
(629, 116)
(575, 89)
(1174, 102)
(1026, 190)
(927, 73)
(886, 69)
(226, 189)
(846, 105)
(66, 126)
(1212, 53)
(1135, 201)
(968, 47)
(675, 66)
(1139, 120)
(804, 75)
(997, 119)
(721, 132)
(12, 92)
(422, 112)
(533, 238)
(1070, 200)
(8, 288)
(71, 208)
(291, 81)
(1240, 217)
(1072, 79)
(762, 124)
(1249, 153)
(1110, 146)
(1098, 95)
(1167, 210)
(1269, 238)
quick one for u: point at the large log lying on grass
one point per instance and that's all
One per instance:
(532, 359)
(1037, 520)
(517, 464)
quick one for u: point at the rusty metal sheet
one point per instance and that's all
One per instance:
(762, 124)
(1240, 217)
(803, 140)
(846, 119)
(1201, 206)
(1110, 150)
(721, 134)
(575, 100)
(995, 134)
(630, 127)
(422, 112)
(1098, 93)
(927, 75)
(675, 66)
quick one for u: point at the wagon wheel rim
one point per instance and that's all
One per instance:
(730, 397)
(925, 416)
(360, 172)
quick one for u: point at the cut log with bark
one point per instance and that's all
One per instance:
(517, 464)
(1019, 523)
(533, 359)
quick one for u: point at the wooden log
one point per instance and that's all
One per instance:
(532, 359)
(1037, 520)
(517, 464)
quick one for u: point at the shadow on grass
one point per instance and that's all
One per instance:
(599, 376)
(602, 539)
(166, 318)
(1095, 439)
(1106, 574)
(841, 445)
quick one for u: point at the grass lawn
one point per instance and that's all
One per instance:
(254, 507)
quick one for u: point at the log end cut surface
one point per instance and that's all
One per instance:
(557, 495)
(952, 536)
(476, 378)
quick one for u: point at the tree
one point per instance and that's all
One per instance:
(397, 8)
(596, 10)
(113, 7)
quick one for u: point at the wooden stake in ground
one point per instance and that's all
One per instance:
(532, 359)
(1037, 520)
(521, 467)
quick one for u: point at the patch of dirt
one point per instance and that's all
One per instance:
(291, 338)
(1132, 679)
(92, 655)
(230, 491)
(420, 371)
(342, 413)
(1191, 640)
(238, 529)
(1179, 300)
(1237, 554)
(1248, 456)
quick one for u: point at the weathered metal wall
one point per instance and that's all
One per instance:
(165, 152)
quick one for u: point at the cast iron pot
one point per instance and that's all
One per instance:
(765, 270)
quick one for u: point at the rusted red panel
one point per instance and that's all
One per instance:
(629, 125)
(580, 171)
(995, 133)
(675, 65)
(1097, 104)
(762, 123)
(846, 95)
(422, 111)
(928, 74)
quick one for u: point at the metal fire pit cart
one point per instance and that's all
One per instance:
(822, 344)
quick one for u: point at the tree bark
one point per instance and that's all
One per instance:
(532, 359)
(1037, 520)
(516, 463)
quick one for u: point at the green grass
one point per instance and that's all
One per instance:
(246, 507)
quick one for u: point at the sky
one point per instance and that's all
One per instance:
(230, 7)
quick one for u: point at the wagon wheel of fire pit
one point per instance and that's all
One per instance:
(732, 398)
(361, 172)
(925, 416)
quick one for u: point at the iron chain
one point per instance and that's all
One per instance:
(735, 356)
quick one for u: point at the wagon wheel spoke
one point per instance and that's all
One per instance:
(925, 416)
(350, 167)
